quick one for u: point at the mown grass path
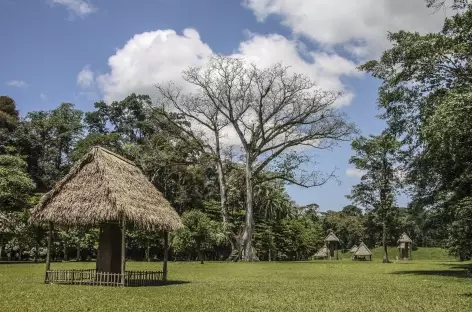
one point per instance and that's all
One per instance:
(278, 286)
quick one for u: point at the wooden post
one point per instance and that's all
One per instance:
(166, 255)
(48, 253)
(123, 250)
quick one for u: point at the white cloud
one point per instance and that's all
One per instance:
(354, 172)
(85, 78)
(360, 26)
(43, 96)
(323, 68)
(80, 8)
(17, 83)
(149, 58)
(161, 55)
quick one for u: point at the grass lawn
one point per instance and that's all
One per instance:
(302, 286)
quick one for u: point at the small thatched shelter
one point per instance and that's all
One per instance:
(106, 190)
(322, 253)
(404, 247)
(353, 249)
(332, 242)
(362, 253)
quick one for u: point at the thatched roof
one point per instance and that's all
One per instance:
(322, 253)
(405, 239)
(353, 249)
(331, 238)
(363, 251)
(102, 187)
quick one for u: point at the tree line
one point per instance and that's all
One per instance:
(222, 147)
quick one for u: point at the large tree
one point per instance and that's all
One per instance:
(425, 92)
(276, 116)
(377, 158)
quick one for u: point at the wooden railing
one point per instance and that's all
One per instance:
(92, 277)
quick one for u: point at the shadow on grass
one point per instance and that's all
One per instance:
(465, 266)
(458, 271)
(160, 284)
(467, 295)
(132, 285)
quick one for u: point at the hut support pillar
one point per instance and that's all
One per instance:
(166, 256)
(123, 251)
(48, 253)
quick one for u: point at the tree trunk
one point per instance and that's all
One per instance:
(110, 248)
(222, 185)
(78, 253)
(20, 251)
(36, 251)
(1, 246)
(200, 254)
(384, 243)
(65, 252)
(148, 250)
(249, 223)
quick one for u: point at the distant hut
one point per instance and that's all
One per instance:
(362, 253)
(353, 249)
(332, 243)
(106, 190)
(322, 253)
(404, 247)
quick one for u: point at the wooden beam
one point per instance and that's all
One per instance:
(166, 255)
(123, 250)
(48, 253)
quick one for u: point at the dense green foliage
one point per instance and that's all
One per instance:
(317, 286)
(426, 100)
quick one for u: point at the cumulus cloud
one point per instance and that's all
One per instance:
(354, 173)
(85, 78)
(17, 83)
(162, 55)
(360, 26)
(149, 58)
(79, 8)
(323, 68)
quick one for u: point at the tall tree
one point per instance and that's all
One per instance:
(272, 112)
(204, 129)
(425, 91)
(377, 157)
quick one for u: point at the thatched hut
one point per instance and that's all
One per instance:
(332, 242)
(353, 249)
(106, 190)
(362, 253)
(322, 253)
(404, 247)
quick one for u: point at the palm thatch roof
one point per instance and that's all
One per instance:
(405, 239)
(353, 249)
(322, 253)
(331, 238)
(363, 251)
(104, 187)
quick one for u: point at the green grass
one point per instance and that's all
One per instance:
(438, 254)
(302, 286)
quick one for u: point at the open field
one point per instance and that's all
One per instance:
(285, 286)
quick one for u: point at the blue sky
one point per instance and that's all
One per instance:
(82, 51)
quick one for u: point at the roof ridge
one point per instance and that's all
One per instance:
(114, 154)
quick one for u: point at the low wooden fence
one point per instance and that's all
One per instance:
(92, 277)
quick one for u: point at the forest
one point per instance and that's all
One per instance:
(232, 197)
